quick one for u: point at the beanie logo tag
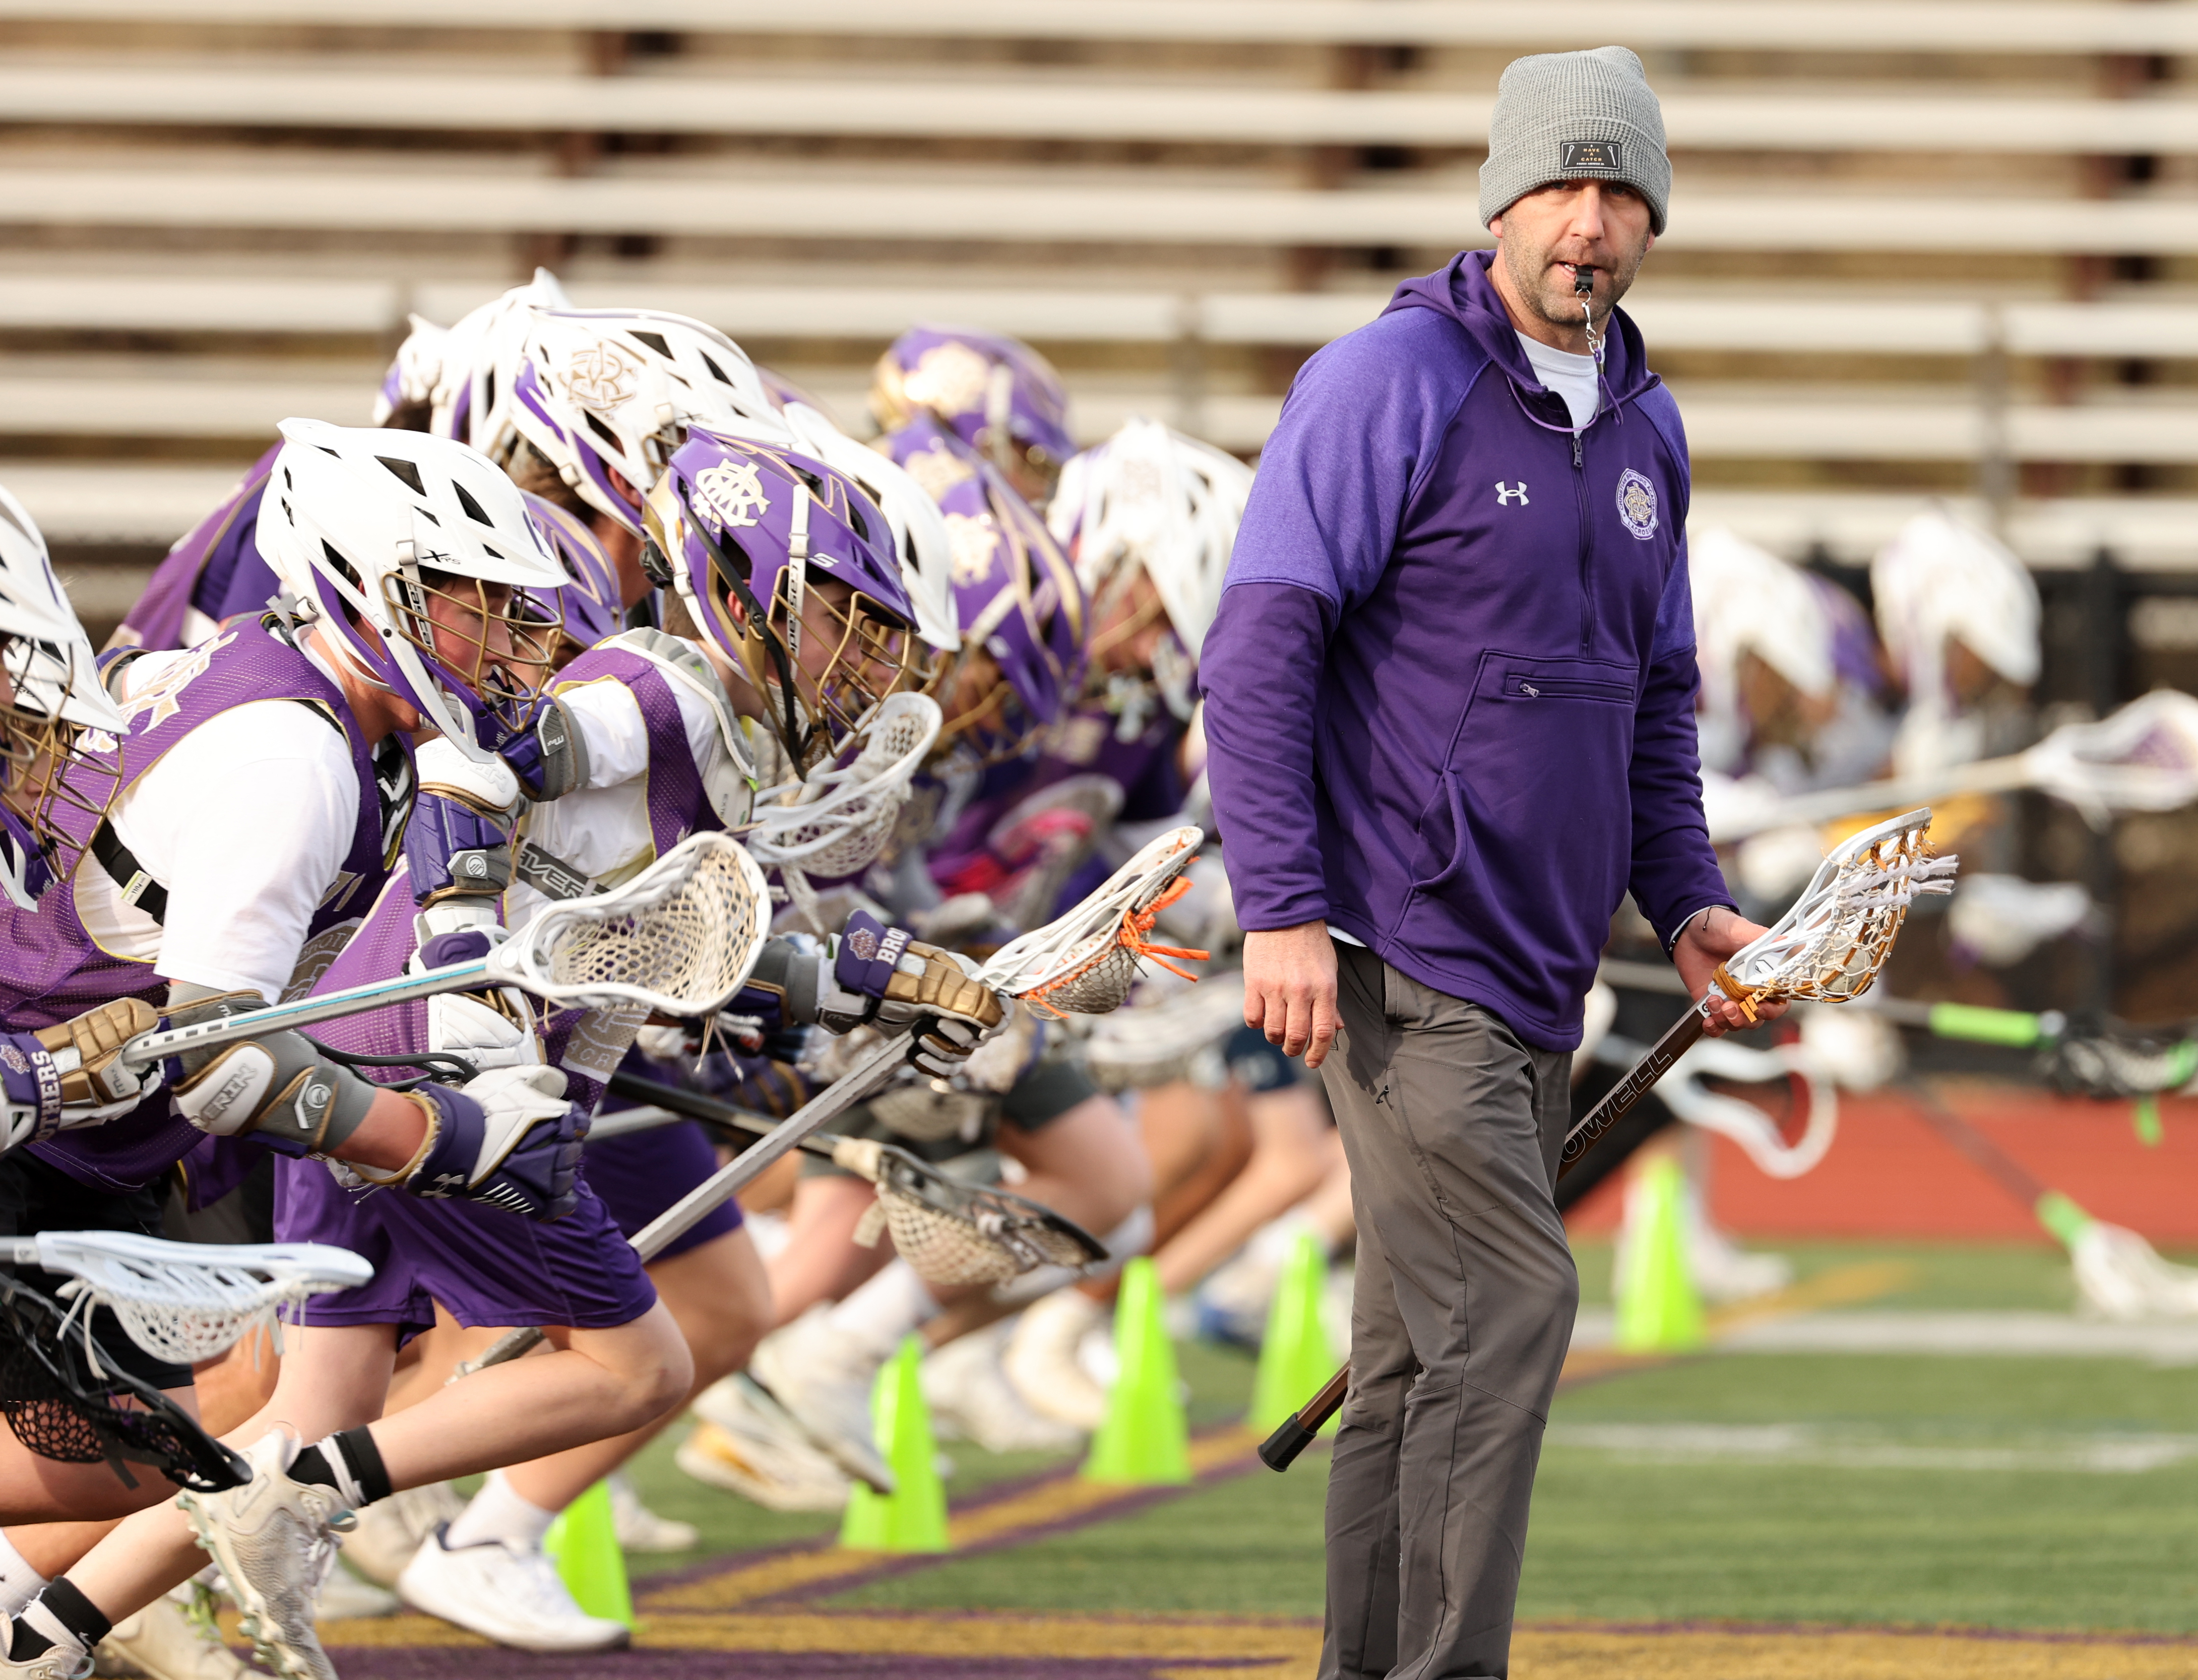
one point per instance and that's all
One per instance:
(1592, 154)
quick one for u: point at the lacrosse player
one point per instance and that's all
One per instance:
(410, 557)
(995, 393)
(1450, 702)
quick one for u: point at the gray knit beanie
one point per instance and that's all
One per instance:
(1575, 116)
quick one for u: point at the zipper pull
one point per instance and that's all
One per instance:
(1530, 691)
(1576, 449)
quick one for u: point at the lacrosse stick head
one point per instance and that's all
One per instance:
(1085, 962)
(835, 822)
(679, 939)
(59, 1408)
(185, 1302)
(2143, 758)
(1829, 945)
(954, 1234)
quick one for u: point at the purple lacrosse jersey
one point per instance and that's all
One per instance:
(54, 968)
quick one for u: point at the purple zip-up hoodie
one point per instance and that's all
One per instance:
(1450, 696)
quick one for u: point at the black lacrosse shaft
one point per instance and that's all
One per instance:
(708, 1109)
(1280, 1450)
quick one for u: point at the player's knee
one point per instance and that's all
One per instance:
(656, 1374)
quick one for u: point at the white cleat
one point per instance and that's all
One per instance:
(275, 1541)
(970, 1396)
(640, 1529)
(510, 1594)
(1041, 1360)
(744, 1443)
(56, 1662)
(823, 1381)
(391, 1530)
(160, 1642)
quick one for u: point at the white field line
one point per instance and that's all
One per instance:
(1957, 1335)
(1767, 1443)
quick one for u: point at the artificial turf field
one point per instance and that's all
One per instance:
(1732, 1515)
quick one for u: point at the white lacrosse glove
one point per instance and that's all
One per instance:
(467, 1025)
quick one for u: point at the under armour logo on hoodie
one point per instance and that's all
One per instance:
(1505, 493)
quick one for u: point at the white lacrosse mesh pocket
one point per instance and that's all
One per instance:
(188, 1302)
(836, 823)
(680, 938)
(1829, 947)
(1085, 962)
(953, 1235)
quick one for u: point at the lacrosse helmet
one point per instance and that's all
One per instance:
(370, 530)
(408, 389)
(471, 391)
(1750, 601)
(1014, 592)
(1939, 580)
(55, 692)
(1151, 501)
(599, 392)
(996, 394)
(746, 531)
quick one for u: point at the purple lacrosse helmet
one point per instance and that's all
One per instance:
(1015, 595)
(593, 602)
(996, 394)
(790, 571)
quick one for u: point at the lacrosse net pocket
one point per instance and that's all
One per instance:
(63, 1404)
(188, 1302)
(952, 1234)
(680, 938)
(1085, 962)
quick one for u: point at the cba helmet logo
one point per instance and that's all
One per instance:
(734, 491)
(1636, 504)
(936, 471)
(949, 379)
(600, 378)
(976, 542)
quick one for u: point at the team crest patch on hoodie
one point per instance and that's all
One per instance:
(1636, 503)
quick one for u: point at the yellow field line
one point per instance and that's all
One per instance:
(1050, 1502)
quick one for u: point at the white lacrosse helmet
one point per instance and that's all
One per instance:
(416, 372)
(604, 391)
(1151, 498)
(1750, 601)
(1939, 578)
(919, 529)
(470, 392)
(369, 529)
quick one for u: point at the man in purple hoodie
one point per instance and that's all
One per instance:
(1450, 705)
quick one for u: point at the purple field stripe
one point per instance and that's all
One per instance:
(1883, 1631)
(376, 1663)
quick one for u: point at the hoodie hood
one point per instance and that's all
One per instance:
(1461, 289)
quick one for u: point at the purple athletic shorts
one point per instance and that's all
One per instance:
(641, 1173)
(486, 1266)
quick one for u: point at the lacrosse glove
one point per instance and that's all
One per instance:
(507, 1139)
(882, 974)
(71, 1074)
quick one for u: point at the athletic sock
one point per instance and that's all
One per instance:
(61, 1615)
(19, 1583)
(497, 1514)
(348, 1462)
(884, 1310)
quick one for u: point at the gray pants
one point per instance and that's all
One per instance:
(1464, 1307)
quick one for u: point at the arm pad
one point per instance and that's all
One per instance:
(278, 1088)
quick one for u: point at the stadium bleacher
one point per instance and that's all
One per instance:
(1932, 250)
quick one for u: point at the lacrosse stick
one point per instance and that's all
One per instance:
(1827, 948)
(59, 1408)
(183, 1302)
(1758, 1136)
(2117, 1271)
(833, 822)
(1077, 962)
(951, 1233)
(2143, 758)
(679, 939)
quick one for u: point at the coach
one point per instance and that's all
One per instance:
(1449, 699)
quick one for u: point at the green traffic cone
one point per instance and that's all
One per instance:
(913, 1517)
(1659, 1310)
(583, 1545)
(1295, 1356)
(1145, 1439)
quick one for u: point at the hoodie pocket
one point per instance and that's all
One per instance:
(1526, 845)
